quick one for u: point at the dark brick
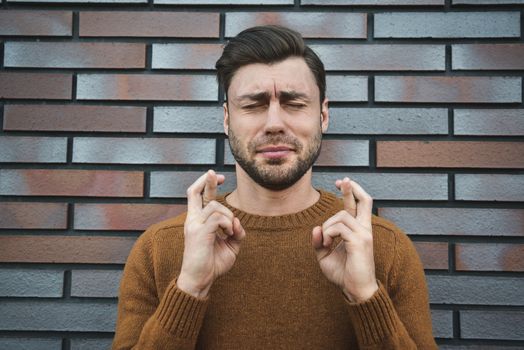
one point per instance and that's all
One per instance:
(188, 119)
(388, 121)
(372, 2)
(486, 2)
(382, 57)
(450, 154)
(479, 347)
(92, 183)
(95, 283)
(22, 149)
(489, 257)
(31, 283)
(487, 56)
(442, 323)
(91, 344)
(484, 324)
(12, 343)
(123, 216)
(143, 151)
(36, 85)
(489, 122)
(310, 25)
(62, 249)
(74, 55)
(434, 255)
(147, 87)
(36, 23)
(448, 89)
(79, 118)
(23, 215)
(347, 88)
(447, 25)
(457, 221)
(186, 56)
(175, 183)
(476, 290)
(149, 24)
(225, 2)
(489, 187)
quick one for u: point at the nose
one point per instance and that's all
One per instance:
(274, 119)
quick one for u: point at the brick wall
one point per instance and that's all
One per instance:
(110, 110)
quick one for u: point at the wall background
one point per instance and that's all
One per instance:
(110, 110)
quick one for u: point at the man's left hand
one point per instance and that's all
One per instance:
(349, 264)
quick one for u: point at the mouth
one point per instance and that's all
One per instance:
(275, 151)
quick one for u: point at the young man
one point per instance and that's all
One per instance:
(275, 264)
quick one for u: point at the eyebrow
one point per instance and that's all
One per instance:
(283, 96)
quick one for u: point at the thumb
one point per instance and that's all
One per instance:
(317, 242)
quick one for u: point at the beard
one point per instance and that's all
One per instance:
(272, 173)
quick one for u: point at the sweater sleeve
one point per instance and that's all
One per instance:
(146, 322)
(397, 316)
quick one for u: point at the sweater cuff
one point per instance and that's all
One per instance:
(374, 319)
(181, 314)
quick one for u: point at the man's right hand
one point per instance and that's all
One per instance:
(212, 237)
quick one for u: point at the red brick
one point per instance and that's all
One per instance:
(186, 56)
(149, 24)
(74, 55)
(147, 87)
(27, 149)
(434, 255)
(91, 183)
(487, 56)
(123, 216)
(36, 23)
(75, 118)
(489, 122)
(61, 249)
(450, 154)
(23, 215)
(310, 25)
(448, 89)
(35, 85)
(489, 257)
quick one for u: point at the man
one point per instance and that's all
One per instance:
(275, 264)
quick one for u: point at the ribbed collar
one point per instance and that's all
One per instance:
(325, 205)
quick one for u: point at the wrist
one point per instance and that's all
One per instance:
(361, 295)
(187, 286)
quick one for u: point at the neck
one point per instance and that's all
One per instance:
(252, 198)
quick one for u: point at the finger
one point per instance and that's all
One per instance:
(350, 204)
(317, 242)
(342, 216)
(334, 231)
(210, 188)
(238, 231)
(194, 195)
(212, 207)
(365, 203)
(218, 220)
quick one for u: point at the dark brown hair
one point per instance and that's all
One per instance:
(267, 44)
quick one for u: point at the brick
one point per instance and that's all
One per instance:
(80, 118)
(36, 23)
(58, 316)
(501, 122)
(447, 25)
(457, 221)
(149, 24)
(182, 119)
(489, 257)
(310, 25)
(487, 56)
(24, 215)
(74, 55)
(143, 150)
(91, 344)
(53, 86)
(123, 216)
(489, 187)
(388, 121)
(347, 88)
(65, 250)
(382, 57)
(12, 343)
(153, 87)
(442, 323)
(23, 149)
(87, 1)
(31, 283)
(487, 2)
(484, 324)
(174, 184)
(479, 347)
(90, 183)
(450, 154)
(448, 89)
(186, 56)
(434, 255)
(225, 2)
(390, 186)
(371, 2)
(477, 290)
(95, 283)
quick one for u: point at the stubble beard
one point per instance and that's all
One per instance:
(272, 173)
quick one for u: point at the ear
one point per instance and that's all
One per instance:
(324, 115)
(226, 119)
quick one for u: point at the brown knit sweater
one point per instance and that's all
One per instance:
(275, 296)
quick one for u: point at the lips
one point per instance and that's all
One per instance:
(275, 151)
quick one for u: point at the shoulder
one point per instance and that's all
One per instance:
(168, 229)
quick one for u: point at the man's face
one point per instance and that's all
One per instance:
(274, 120)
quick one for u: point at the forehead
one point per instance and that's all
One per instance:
(292, 74)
